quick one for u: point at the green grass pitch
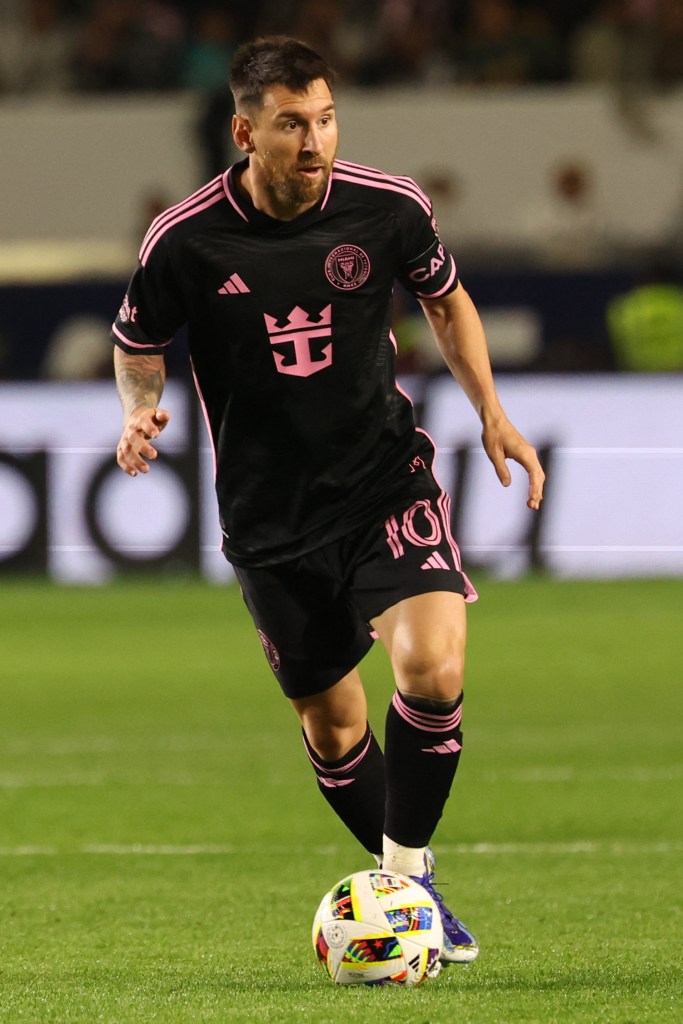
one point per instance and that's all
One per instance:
(163, 846)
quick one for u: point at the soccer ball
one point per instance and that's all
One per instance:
(377, 928)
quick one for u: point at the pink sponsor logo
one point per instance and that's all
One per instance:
(301, 336)
(127, 312)
(347, 267)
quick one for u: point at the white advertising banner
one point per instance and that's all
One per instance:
(97, 519)
(614, 507)
(614, 452)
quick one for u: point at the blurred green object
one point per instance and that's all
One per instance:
(646, 328)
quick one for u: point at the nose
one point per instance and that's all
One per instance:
(313, 141)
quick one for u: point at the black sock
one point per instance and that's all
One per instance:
(422, 750)
(354, 789)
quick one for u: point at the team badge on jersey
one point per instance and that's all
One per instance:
(347, 267)
(270, 650)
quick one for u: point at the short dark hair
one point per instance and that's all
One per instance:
(275, 60)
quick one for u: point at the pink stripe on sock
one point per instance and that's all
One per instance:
(425, 721)
(345, 767)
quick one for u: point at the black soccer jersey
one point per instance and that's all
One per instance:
(292, 351)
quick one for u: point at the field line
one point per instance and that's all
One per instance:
(579, 848)
(632, 774)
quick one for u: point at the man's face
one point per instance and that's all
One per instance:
(294, 139)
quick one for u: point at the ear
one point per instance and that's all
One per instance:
(241, 133)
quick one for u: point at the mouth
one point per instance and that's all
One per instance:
(311, 171)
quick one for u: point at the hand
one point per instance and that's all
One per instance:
(502, 441)
(141, 427)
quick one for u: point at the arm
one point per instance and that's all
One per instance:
(460, 337)
(140, 382)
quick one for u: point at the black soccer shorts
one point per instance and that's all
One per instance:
(313, 614)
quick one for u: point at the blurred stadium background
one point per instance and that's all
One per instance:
(550, 138)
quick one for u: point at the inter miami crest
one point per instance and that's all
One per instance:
(347, 267)
(270, 650)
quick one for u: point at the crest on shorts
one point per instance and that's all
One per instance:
(347, 267)
(271, 651)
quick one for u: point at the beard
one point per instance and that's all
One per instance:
(290, 189)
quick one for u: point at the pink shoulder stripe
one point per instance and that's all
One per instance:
(172, 210)
(207, 196)
(374, 172)
(387, 185)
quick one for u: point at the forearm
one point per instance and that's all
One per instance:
(139, 380)
(460, 337)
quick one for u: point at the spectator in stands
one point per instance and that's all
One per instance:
(319, 23)
(411, 43)
(100, 57)
(497, 47)
(129, 46)
(668, 47)
(137, 44)
(36, 49)
(207, 59)
(206, 68)
(645, 326)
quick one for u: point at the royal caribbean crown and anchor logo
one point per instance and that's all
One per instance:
(305, 351)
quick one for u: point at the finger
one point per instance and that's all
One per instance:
(156, 422)
(161, 417)
(500, 465)
(131, 454)
(536, 480)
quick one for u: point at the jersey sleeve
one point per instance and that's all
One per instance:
(427, 269)
(152, 310)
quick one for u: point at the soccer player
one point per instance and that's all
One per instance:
(283, 269)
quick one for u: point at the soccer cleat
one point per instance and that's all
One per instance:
(459, 944)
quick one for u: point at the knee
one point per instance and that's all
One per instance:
(435, 674)
(335, 720)
(331, 740)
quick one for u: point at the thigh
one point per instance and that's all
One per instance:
(311, 633)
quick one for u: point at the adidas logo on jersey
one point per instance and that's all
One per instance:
(435, 561)
(234, 286)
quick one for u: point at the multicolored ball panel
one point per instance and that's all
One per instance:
(377, 928)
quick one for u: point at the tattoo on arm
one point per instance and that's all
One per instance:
(139, 380)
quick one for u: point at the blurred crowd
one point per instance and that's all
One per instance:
(106, 46)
